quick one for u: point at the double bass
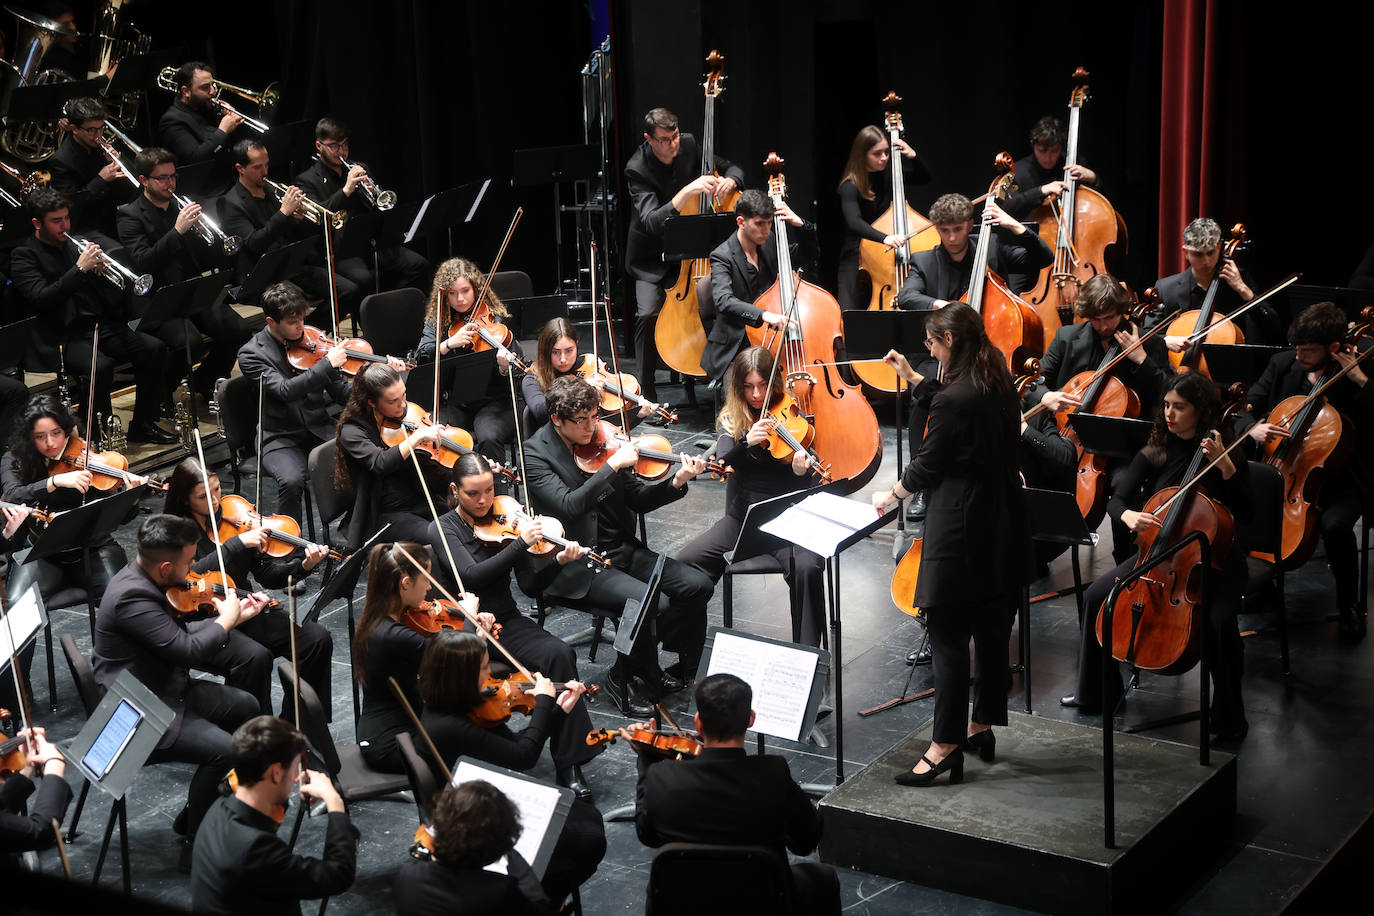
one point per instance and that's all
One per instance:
(848, 441)
(1013, 326)
(887, 268)
(1190, 323)
(679, 333)
(1085, 231)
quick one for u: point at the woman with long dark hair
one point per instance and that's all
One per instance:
(976, 546)
(1188, 418)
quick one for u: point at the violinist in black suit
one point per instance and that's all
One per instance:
(1318, 336)
(743, 267)
(661, 176)
(977, 538)
(600, 509)
(295, 405)
(728, 796)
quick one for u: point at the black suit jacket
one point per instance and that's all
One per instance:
(46, 280)
(295, 406)
(1075, 349)
(76, 173)
(977, 536)
(20, 832)
(194, 136)
(651, 186)
(240, 865)
(935, 276)
(436, 889)
(725, 796)
(136, 628)
(1261, 324)
(259, 224)
(154, 246)
(597, 510)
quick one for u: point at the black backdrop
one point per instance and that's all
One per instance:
(440, 93)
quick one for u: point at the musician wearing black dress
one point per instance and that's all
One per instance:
(1189, 419)
(1319, 348)
(662, 175)
(976, 540)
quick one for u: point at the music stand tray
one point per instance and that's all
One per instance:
(531, 313)
(445, 209)
(471, 374)
(1115, 437)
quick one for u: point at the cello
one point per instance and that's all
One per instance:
(1190, 323)
(1013, 326)
(1085, 231)
(886, 267)
(679, 333)
(848, 441)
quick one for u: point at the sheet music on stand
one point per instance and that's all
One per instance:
(821, 521)
(26, 619)
(543, 809)
(415, 225)
(787, 679)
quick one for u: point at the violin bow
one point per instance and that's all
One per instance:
(419, 727)
(438, 339)
(495, 264)
(214, 528)
(466, 613)
(296, 670)
(1219, 320)
(596, 354)
(519, 443)
(90, 406)
(19, 691)
(257, 478)
(615, 357)
(434, 514)
(62, 848)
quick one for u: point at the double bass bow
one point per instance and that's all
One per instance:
(1085, 231)
(847, 439)
(679, 334)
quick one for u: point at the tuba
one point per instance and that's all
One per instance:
(34, 141)
(113, 41)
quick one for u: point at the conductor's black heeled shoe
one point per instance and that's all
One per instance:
(983, 743)
(954, 763)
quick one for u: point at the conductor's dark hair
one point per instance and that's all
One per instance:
(284, 300)
(149, 158)
(723, 702)
(261, 742)
(161, 538)
(754, 203)
(45, 201)
(570, 395)
(1048, 131)
(244, 148)
(1320, 323)
(474, 824)
(186, 73)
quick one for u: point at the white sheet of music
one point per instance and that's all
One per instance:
(821, 521)
(780, 677)
(535, 802)
(23, 621)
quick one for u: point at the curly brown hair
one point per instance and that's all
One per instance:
(455, 269)
(474, 824)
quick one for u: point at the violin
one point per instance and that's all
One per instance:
(435, 614)
(655, 458)
(848, 440)
(491, 334)
(506, 519)
(1191, 322)
(108, 469)
(40, 515)
(197, 589)
(13, 757)
(679, 334)
(1083, 228)
(314, 344)
(237, 515)
(791, 434)
(655, 742)
(504, 696)
(453, 441)
(619, 389)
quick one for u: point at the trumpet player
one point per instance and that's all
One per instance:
(262, 223)
(85, 174)
(193, 127)
(339, 182)
(67, 292)
(159, 236)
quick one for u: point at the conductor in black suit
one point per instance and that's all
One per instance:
(743, 267)
(137, 629)
(600, 509)
(727, 796)
(661, 176)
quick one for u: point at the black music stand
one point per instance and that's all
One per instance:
(531, 313)
(1115, 437)
(471, 374)
(197, 178)
(184, 300)
(1228, 363)
(284, 143)
(133, 749)
(278, 264)
(44, 102)
(555, 165)
(1352, 301)
(695, 235)
(1055, 519)
(441, 211)
(15, 342)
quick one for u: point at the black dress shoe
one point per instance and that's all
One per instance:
(954, 763)
(919, 657)
(1072, 702)
(916, 506)
(983, 743)
(572, 778)
(151, 432)
(629, 703)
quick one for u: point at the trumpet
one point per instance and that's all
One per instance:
(167, 79)
(372, 192)
(38, 178)
(310, 210)
(207, 229)
(112, 270)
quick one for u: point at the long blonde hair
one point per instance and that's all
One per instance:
(856, 169)
(454, 269)
(737, 416)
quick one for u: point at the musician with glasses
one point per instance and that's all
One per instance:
(339, 188)
(158, 234)
(194, 128)
(70, 296)
(81, 170)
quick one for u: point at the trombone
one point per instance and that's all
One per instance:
(372, 192)
(266, 100)
(112, 270)
(310, 210)
(167, 79)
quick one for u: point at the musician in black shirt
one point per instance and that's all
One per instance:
(194, 128)
(81, 170)
(1041, 174)
(1187, 290)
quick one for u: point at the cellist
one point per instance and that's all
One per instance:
(1188, 419)
(661, 177)
(1318, 338)
(1186, 291)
